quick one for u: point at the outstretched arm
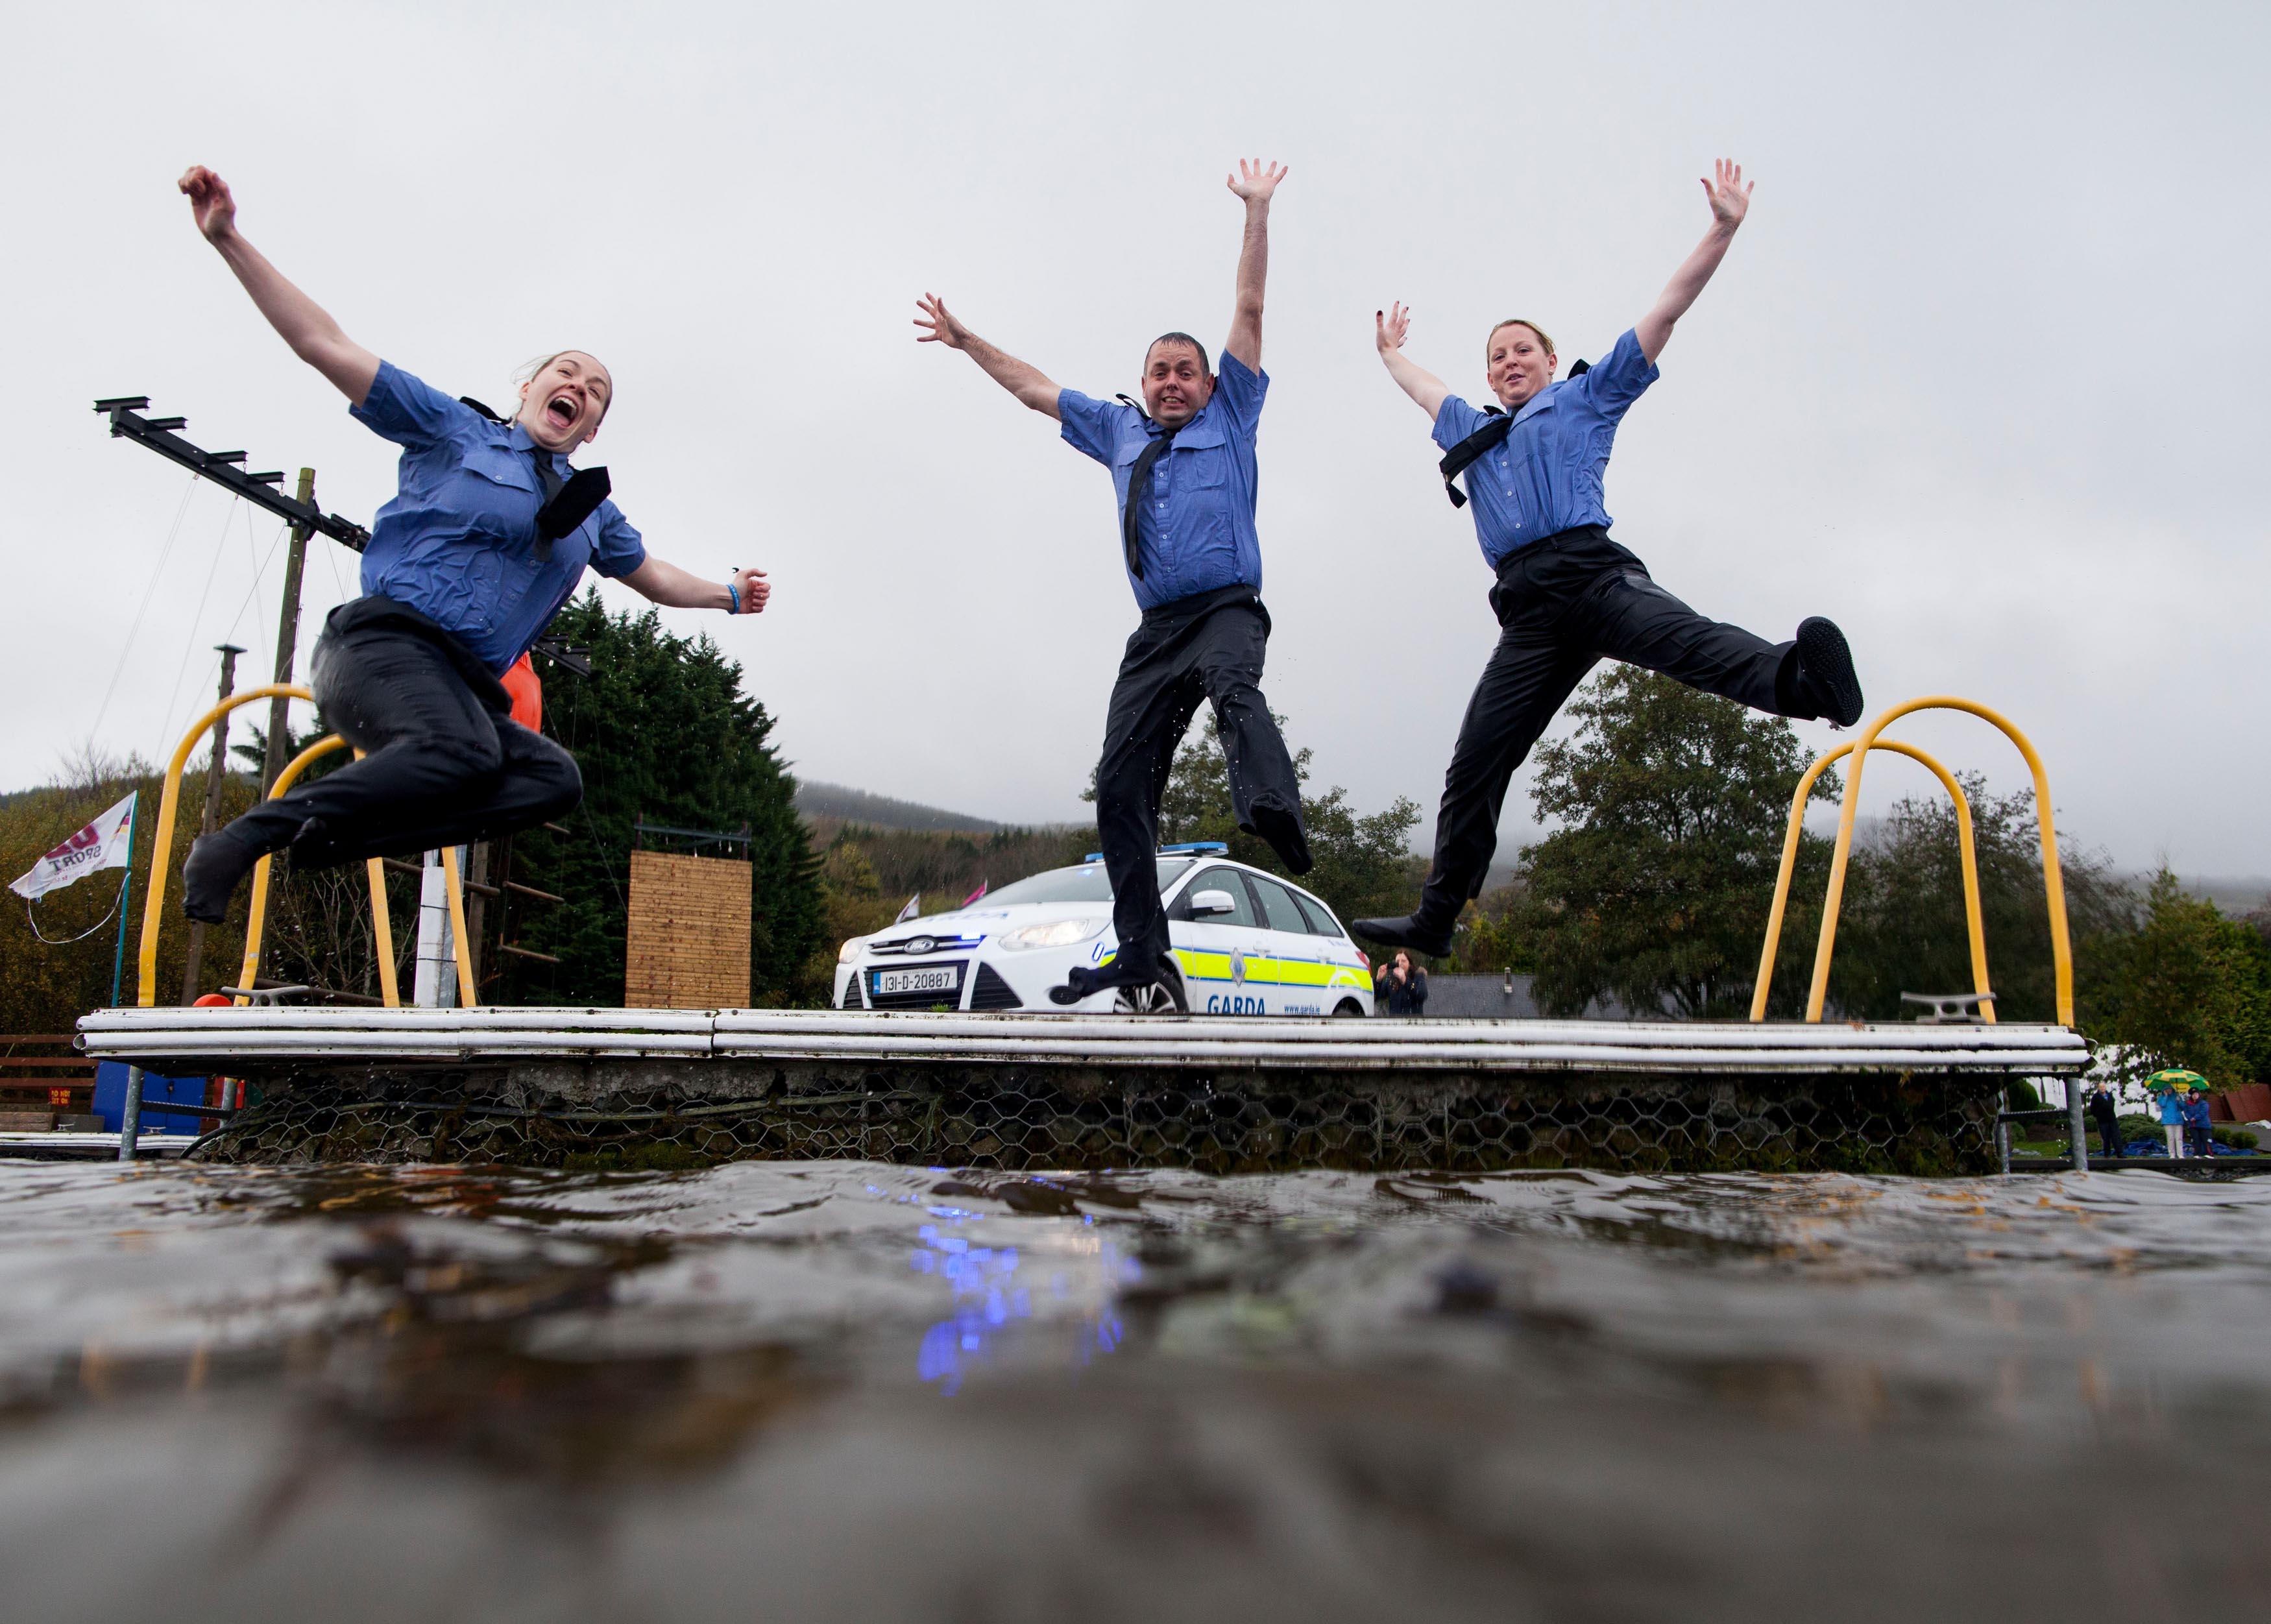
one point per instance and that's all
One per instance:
(1415, 380)
(1730, 200)
(675, 588)
(304, 324)
(1022, 379)
(1256, 183)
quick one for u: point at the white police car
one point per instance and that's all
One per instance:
(1245, 942)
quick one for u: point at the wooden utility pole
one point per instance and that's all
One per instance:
(287, 639)
(216, 777)
(287, 648)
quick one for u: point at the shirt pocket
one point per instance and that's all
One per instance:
(1202, 456)
(495, 493)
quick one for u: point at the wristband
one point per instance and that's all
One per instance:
(735, 596)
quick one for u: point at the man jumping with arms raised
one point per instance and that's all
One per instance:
(1184, 468)
(1566, 596)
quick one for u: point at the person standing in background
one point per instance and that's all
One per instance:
(1404, 986)
(2107, 1118)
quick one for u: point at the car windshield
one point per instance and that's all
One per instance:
(1085, 883)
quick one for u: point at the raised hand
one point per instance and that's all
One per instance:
(210, 203)
(754, 588)
(939, 325)
(1392, 325)
(1730, 198)
(1255, 182)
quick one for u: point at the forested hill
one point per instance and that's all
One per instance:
(838, 805)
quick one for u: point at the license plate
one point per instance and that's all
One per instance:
(938, 978)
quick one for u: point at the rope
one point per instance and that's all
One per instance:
(32, 919)
(190, 647)
(259, 573)
(149, 590)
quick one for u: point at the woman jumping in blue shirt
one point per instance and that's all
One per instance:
(482, 545)
(1566, 596)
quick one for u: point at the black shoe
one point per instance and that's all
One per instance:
(1283, 830)
(217, 861)
(1825, 671)
(1083, 982)
(1406, 933)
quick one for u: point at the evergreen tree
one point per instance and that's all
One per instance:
(1655, 890)
(2187, 987)
(661, 732)
(1902, 926)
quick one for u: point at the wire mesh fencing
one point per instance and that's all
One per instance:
(1027, 1117)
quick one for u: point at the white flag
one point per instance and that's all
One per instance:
(913, 907)
(103, 844)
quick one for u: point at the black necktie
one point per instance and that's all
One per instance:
(1139, 487)
(1462, 456)
(546, 474)
(567, 502)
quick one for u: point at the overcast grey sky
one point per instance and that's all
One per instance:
(1982, 377)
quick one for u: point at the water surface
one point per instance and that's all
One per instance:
(847, 1391)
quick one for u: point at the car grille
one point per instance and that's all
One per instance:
(993, 992)
(851, 993)
(914, 1001)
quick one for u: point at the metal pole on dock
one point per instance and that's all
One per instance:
(129, 1115)
(216, 780)
(2074, 1116)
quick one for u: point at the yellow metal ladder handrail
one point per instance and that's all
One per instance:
(381, 918)
(161, 839)
(1966, 845)
(161, 859)
(2053, 881)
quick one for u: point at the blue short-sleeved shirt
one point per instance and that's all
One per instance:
(1545, 475)
(1195, 535)
(459, 541)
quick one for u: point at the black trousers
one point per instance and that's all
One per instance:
(1208, 646)
(1564, 604)
(444, 764)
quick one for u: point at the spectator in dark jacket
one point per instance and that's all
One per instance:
(1403, 986)
(2107, 1117)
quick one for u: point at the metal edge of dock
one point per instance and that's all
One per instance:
(257, 1037)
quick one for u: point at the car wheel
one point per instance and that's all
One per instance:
(1348, 1006)
(1162, 994)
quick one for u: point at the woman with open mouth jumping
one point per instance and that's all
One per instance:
(483, 544)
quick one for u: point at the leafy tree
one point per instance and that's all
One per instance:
(1491, 936)
(1363, 862)
(661, 731)
(1902, 926)
(1655, 888)
(2186, 987)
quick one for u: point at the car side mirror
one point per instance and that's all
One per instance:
(1212, 901)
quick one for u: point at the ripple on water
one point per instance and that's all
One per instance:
(916, 1392)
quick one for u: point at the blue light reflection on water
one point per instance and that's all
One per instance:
(989, 1296)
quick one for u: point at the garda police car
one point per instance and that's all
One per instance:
(1244, 942)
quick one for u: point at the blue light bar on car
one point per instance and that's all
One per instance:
(1165, 851)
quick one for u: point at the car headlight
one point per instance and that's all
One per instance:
(1057, 933)
(850, 951)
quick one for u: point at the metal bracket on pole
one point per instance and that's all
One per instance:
(157, 433)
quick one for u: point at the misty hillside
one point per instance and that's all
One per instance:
(836, 803)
